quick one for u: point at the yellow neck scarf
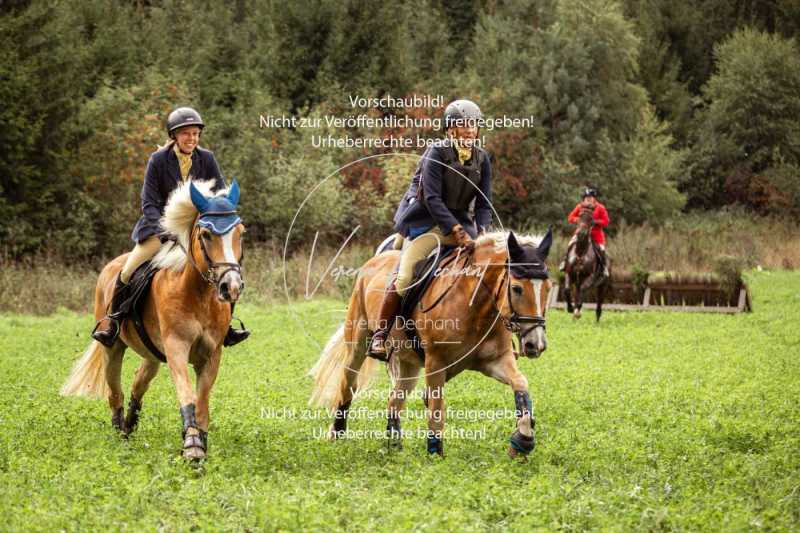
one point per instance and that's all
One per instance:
(184, 161)
(464, 152)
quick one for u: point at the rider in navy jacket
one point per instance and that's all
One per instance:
(180, 160)
(163, 176)
(414, 217)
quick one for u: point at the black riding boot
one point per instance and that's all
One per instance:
(108, 336)
(604, 261)
(235, 336)
(389, 308)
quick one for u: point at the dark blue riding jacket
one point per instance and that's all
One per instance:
(417, 213)
(163, 175)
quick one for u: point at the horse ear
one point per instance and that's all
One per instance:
(547, 242)
(514, 249)
(233, 193)
(199, 201)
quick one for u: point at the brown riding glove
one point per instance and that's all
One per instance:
(462, 238)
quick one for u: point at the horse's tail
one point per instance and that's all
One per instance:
(330, 372)
(333, 371)
(88, 376)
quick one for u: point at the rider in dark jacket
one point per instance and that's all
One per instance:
(181, 159)
(452, 182)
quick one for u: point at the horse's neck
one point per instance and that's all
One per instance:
(582, 243)
(191, 280)
(494, 279)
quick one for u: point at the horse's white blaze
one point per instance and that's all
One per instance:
(227, 247)
(232, 278)
(538, 311)
(537, 296)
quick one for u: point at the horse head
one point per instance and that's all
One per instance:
(528, 291)
(216, 245)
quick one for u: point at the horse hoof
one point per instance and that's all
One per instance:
(117, 420)
(194, 453)
(513, 453)
(335, 434)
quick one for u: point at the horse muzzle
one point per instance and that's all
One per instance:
(230, 287)
(534, 343)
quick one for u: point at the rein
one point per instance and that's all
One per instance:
(453, 284)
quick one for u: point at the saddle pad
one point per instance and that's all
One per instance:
(138, 287)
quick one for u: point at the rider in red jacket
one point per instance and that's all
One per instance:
(601, 220)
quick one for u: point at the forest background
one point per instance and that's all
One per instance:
(683, 114)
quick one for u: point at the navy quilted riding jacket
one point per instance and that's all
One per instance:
(163, 176)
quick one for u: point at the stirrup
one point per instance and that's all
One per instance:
(235, 336)
(108, 336)
(380, 356)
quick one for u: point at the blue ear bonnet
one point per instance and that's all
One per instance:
(218, 214)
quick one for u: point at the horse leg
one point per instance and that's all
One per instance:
(113, 373)
(505, 370)
(141, 381)
(434, 390)
(406, 375)
(568, 291)
(601, 294)
(177, 351)
(577, 298)
(206, 376)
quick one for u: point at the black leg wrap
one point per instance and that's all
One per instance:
(435, 445)
(116, 419)
(522, 401)
(189, 417)
(393, 430)
(521, 443)
(132, 418)
(340, 418)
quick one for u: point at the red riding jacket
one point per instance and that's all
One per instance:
(600, 216)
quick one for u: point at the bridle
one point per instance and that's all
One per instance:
(211, 276)
(515, 322)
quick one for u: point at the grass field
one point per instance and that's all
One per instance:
(649, 421)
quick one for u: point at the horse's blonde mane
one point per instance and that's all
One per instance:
(499, 239)
(178, 220)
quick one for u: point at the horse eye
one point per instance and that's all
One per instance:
(517, 289)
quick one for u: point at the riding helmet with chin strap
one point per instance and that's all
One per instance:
(589, 191)
(461, 113)
(181, 117)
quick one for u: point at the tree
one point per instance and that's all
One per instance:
(749, 125)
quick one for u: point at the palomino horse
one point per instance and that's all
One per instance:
(583, 270)
(504, 289)
(186, 313)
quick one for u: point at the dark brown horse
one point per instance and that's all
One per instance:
(504, 293)
(186, 314)
(583, 269)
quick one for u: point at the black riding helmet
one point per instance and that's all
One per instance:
(183, 116)
(589, 191)
(462, 112)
